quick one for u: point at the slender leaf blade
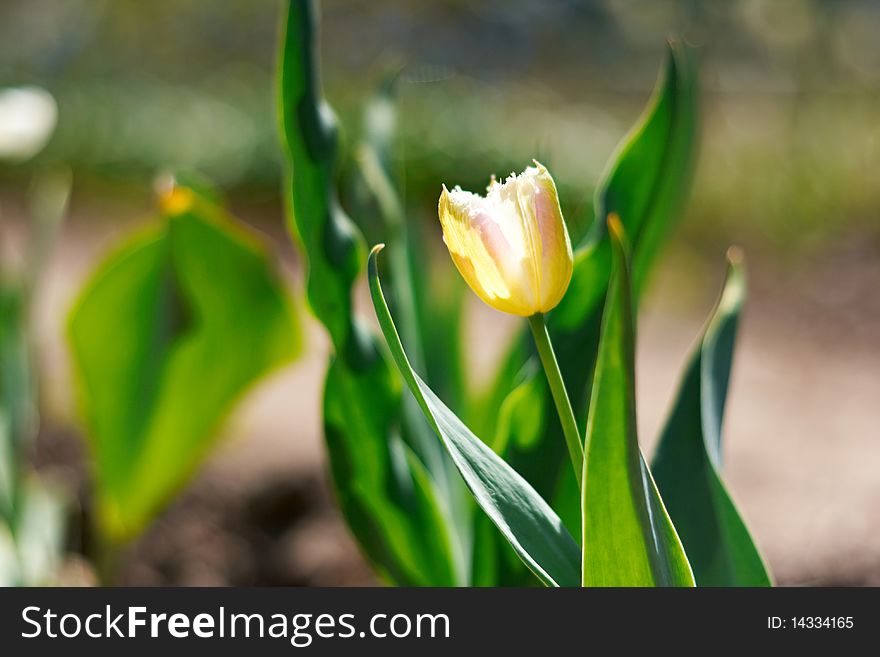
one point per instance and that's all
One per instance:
(333, 244)
(392, 505)
(687, 463)
(420, 322)
(628, 539)
(17, 393)
(384, 493)
(645, 185)
(521, 515)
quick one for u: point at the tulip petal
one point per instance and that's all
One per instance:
(557, 257)
(511, 246)
(481, 250)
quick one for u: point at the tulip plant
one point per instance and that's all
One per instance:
(539, 478)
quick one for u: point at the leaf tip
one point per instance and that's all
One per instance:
(735, 256)
(615, 228)
(371, 262)
(172, 197)
(736, 260)
(734, 292)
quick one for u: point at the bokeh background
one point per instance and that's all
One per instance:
(789, 170)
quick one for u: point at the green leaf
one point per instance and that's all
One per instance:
(519, 513)
(519, 427)
(17, 410)
(645, 184)
(521, 418)
(409, 294)
(167, 334)
(687, 463)
(9, 569)
(332, 242)
(383, 491)
(628, 539)
(388, 499)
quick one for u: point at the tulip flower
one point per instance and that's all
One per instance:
(511, 246)
(513, 249)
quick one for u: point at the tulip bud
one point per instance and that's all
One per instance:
(511, 246)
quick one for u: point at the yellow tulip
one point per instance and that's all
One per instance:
(511, 246)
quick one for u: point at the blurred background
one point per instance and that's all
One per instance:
(789, 170)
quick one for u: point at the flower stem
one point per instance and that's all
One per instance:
(560, 396)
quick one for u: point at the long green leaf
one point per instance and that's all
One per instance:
(167, 334)
(518, 427)
(628, 539)
(645, 184)
(390, 502)
(687, 463)
(410, 295)
(32, 519)
(334, 245)
(520, 514)
(17, 410)
(383, 490)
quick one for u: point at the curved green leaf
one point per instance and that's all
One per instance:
(421, 322)
(17, 392)
(687, 463)
(383, 490)
(310, 132)
(628, 539)
(390, 502)
(521, 515)
(645, 184)
(191, 306)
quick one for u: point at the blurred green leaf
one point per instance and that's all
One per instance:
(519, 513)
(32, 518)
(687, 463)
(17, 408)
(628, 539)
(49, 198)
(32, 544)
(391, 503)
(39, 533)
(426, 315)
(9, 571)
(521, 418)
(8, 468)
(407, 286)
(166, 336)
